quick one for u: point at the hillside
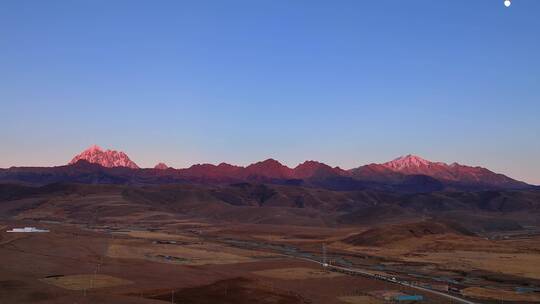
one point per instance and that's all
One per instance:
(272, 204)
(390, 234)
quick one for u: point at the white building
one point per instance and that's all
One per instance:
(27, 229)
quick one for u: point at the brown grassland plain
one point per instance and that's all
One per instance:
(499, 295)
(85, 281)
(134, 268)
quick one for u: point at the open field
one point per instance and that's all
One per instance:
(519, 258)
(233, 291)
(523, 265)
(151, 235)
(297, 273)
(57, 267)
(360, 300)
(198, 254)
(85, 281)
(500, 295)
(448, 255)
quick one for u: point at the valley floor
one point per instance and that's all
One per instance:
(200, 262)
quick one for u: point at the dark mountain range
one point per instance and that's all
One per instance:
(276, 204)
(316, 170)
(409, 174)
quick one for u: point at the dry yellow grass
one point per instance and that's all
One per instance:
(519, 264)
(150, 235)
(461, 253)
(297, 273)
(492, 294)
(184, 254)
(288, 239)
(86, 281)
(145, 215)
(190, 223)
(360, 300)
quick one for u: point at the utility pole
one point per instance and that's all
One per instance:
(324, 255)
(94, 277)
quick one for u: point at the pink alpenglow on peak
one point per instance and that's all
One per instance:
(312, 168)
(161, 166)
(270, 168)
(408, 161)
(414, 165)
(107, 158)
(94, 148)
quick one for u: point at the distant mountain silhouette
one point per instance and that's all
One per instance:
(408, 173)
(161, 166)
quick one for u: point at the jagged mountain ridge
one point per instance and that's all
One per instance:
(105, 158)
(412, 164)
(407, 173)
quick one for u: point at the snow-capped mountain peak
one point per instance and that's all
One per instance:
(108, 158)
(406, 162)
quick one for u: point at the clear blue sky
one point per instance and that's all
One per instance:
(343, 82)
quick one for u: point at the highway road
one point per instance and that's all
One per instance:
(298, 255)
(388, 279)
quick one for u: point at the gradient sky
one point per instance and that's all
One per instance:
(343, 82)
